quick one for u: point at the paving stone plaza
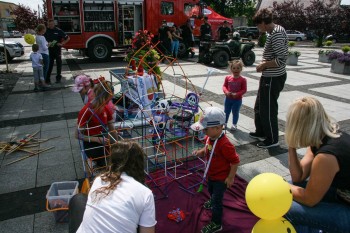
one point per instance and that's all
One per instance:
(54, 112)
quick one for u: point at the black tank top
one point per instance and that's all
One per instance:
(340, 148)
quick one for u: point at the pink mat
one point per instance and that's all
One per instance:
(236, 217)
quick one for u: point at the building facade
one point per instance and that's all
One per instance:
(6, 18)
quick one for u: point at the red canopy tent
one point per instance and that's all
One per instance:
(214, 19)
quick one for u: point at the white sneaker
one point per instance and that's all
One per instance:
(233, 127)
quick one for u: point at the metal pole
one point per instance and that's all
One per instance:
(5, 52)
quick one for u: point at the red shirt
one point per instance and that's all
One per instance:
(236, 85)
(89, 119)
(224, 156)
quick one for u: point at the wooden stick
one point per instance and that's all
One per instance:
(30, 145)
(25, 140)
(25, 150)
(3, 149)
(44, 140)
(28, 156)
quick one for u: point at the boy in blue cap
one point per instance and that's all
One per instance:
(222, 163)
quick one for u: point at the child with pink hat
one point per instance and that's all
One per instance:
(83, 84)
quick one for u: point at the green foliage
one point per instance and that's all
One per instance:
(291, 43)
(232, 8)
(319, 42)
(294, 52)
(142, 52)
(345, 49)
(328, 43)
(326, 52)
(262, 40)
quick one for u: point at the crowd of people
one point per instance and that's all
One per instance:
(119, 201)
(47, 48)
(169, 36)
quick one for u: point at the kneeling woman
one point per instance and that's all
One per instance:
(118, 200)
(321, 179)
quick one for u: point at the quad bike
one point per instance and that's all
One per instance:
(222, 52)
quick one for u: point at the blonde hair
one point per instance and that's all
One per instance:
(40, 28)
(103, 93)
(236, 62)
(307, 123)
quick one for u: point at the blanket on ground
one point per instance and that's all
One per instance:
(236, 215)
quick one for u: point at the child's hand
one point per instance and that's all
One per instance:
(103, 140)
(229, 181)
(198, 152)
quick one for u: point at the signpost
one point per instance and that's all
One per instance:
(3, 40)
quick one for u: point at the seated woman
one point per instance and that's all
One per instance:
(118, 200)
(95, 123)
(321, 179)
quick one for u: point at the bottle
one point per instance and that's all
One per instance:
(140, 70)
(133, 65)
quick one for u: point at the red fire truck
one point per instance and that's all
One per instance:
(98, 26)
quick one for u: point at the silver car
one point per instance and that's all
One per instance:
(15, 34)
(295, 35)
(13, 49)
(4, 34)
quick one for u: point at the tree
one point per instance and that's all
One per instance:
(44, 11)
(25, 18)
(232, 8)
(290, 14)
(322, 17)
(325, 17)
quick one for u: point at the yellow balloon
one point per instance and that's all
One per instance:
(29, 38)
(280, 225)
(268, 196)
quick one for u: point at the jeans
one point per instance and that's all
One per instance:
(234, 106)
(46, 61)
(175, 48)
(216, 190)
(38, 74)
(330, 215)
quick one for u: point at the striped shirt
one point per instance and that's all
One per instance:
(276, 48)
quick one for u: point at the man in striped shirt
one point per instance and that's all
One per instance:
(273, 68)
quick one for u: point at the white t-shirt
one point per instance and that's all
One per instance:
(42, 43)
(36, 57)
(130, 205)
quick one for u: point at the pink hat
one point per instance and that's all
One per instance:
(80, 82)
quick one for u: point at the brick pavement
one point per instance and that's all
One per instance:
(54, 112)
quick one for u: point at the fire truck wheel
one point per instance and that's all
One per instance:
(100, 50)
